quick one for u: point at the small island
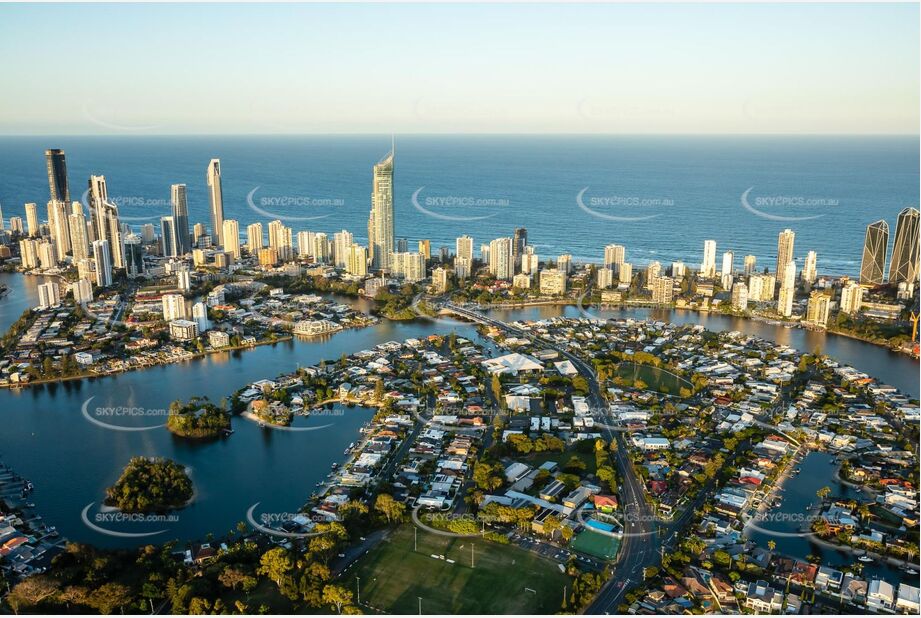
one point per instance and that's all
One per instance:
(197, 419)
(150, 485)
(271, 412)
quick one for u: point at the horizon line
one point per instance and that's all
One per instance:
(464, 134)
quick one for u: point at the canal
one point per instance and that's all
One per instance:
(46, 438)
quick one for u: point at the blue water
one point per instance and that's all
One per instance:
(537, 177)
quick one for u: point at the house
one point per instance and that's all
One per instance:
(907, 601)
(512, 364)
(762, 598)
(880, 596)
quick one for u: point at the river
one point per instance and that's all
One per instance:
(46, 438)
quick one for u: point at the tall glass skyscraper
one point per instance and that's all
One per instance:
(380, 222)
(875, 245)
(57, 175)
(183, 240)
(217, 201)
(904, 265)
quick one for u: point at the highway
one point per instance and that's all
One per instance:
(640, 544)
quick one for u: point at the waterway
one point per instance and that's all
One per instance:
(797, 502)
(44, 435)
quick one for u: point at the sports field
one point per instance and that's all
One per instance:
(505, 579)
(596, 544)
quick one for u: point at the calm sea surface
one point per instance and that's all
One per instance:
(660, 196)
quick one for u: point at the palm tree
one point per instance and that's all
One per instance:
(772, 545)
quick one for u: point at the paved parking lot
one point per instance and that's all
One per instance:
(552, 552)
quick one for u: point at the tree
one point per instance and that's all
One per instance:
(276, 564)
(388, 507)
(32, 591)
(337, 596)
(109, 597)
(233, 576)
(771, 544)
(823, 493)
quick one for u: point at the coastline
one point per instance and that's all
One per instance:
(645, 304)
(192, 357)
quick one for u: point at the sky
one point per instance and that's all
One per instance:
(381, 68)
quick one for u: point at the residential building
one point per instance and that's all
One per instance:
(875, 246)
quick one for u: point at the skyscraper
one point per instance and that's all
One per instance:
(57, 175)
(104, 216)
(519, 242)
(79, 243)
(809, 267)
(60, 228)
(875, 245)
(32, 224)
(342, 241)
(708, 266)
(501, 263)
(103, 263)
(464, 248)
(217, 201)
(183, 240)
(614, 255)
(787, 290)
(904, 265)
(167, 237)
(230, 234)
(728, 259)
(749, 264)
(281, 240)
(254, 238)
(784, 252)
(380, 222)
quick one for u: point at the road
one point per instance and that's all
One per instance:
(640, 546)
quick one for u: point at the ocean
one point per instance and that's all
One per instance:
(660, 196)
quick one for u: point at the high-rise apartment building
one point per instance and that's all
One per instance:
(103, 261)
(904, 264)
(787, 289)
(614, 255)
(873, 260)
(851, 298)
(183, 240)
(57, 175)
(254, 238)
(817, 308)
(501, 264)
(784, 252)
(216, 199)
(708, 265)
(380, 221)
(464, 248)
(32, 223)
(809, 268)
(230, 237)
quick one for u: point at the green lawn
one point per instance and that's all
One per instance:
(393, 576)
(656, 379)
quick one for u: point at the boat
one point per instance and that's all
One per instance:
(335, 465)
(865, 559)
(911, 572)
